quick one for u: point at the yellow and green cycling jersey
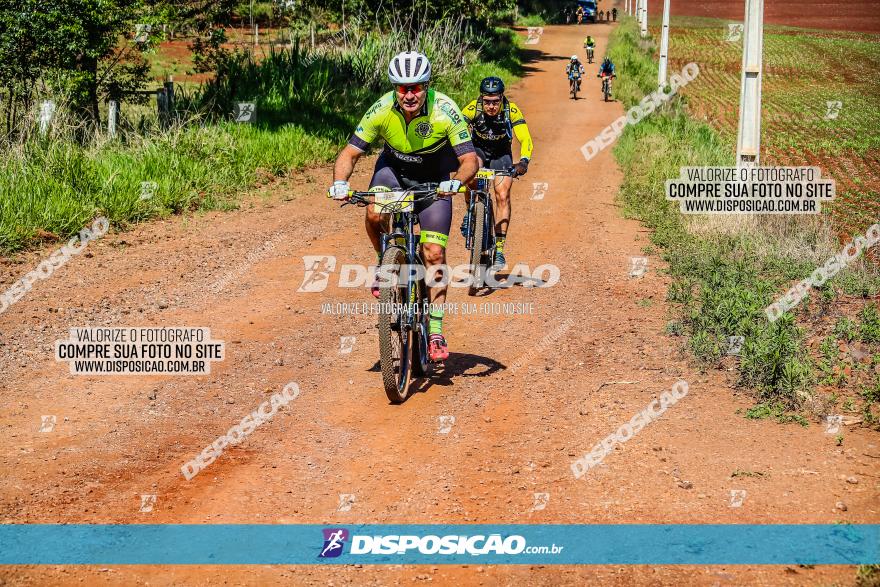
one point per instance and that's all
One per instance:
(438, 135)
(494, 134)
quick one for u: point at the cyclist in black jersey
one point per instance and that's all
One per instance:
(494, 121)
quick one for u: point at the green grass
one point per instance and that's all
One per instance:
(721, 284)
(868, 576)
(60, 186)
(307, 105)
(742, 473)
(531, 20)
(776, 412)
(725, 272)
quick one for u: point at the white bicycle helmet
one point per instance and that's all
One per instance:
(574, 57)
(409, 67)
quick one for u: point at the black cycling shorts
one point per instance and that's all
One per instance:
(435, 217)
(493, 161)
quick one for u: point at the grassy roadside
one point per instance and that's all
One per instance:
(307, 105)
(725, 271)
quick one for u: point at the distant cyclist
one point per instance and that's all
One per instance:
(614, 14)
(494, 120)
(606, 70)
(580, 14)
(426, 139)
(590, 46)
(575, 66)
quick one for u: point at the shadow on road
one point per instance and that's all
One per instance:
(457, 365)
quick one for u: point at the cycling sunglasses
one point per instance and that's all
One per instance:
(492, 101)
(403, 90)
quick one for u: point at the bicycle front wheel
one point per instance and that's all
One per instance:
(479, 235)
(395, 333)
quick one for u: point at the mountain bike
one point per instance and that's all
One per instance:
(589, 54)
(606, 86)
(404, 300)
(574, 82)
(479, 237)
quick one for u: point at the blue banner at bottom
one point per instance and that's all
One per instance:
(501, 544)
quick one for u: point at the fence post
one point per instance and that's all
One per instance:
(112, 118)
(748, 140)
(169, 98)
(162, 107)
(664, 47)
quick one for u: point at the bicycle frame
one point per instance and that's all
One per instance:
(482, 193)
(403, 234)
(403, 315)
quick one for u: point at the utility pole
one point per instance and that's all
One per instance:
(664, 47)
(644, 27)
(748, 141)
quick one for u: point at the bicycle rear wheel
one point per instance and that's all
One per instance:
(606, 89)
(395, 336)
(478, 219)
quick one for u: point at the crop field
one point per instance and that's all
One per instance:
(820, 99)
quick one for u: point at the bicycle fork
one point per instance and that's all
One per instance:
(411, 315)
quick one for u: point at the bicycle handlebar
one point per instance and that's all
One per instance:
(421, 192)
(509, 172)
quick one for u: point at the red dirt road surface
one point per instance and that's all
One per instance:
(529, 393)
(855, 15)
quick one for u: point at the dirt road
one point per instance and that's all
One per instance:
(529, 393)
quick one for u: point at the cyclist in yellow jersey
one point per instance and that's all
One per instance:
(494, 121)
(590, 46)
(426, 139)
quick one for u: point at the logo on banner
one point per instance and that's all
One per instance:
(334, 540)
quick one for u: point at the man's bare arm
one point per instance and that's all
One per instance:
(345, 162)
(468, 165)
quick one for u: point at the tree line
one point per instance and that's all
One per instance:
(84, 52)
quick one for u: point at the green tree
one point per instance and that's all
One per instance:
(82, 50)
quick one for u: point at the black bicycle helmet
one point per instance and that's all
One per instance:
(491, 85)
